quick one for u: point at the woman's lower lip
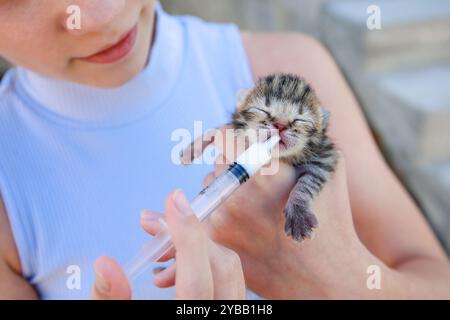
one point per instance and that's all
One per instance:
(117, 51)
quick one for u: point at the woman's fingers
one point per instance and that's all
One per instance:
(166, 278)
(152, 222)
(208, 179)
(229, 144)
(228, 276)
(203, 269)
(193, 277)
(220, 164)
(111, 282)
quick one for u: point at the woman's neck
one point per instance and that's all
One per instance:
(148, 89)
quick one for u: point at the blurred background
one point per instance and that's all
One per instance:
(400, 73)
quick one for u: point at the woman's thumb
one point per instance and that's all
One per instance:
(183, 224)
(111, 282)
(193, 274)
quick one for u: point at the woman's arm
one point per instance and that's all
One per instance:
(392, 231)
(12, 284)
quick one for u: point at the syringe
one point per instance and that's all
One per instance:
(209, 199)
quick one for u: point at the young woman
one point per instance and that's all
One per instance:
(86, 123)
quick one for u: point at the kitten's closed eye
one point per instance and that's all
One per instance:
(299, 121)
(260, 111)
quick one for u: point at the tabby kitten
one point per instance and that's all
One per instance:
(288, 104)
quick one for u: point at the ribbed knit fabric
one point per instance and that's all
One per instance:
(77, 164)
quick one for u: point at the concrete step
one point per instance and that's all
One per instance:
(303, 16)
(255, 15)
(411, 111)
(413, 33)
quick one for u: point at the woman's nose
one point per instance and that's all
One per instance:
(88, 16)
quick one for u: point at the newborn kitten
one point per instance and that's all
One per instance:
(287, 103)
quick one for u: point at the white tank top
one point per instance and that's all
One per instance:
(77, 164)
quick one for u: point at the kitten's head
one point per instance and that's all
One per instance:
(286, 103)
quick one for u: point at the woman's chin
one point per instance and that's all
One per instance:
(116, 73)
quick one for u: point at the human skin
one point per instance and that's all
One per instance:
(374, 223)
(204, 269)
(42, 25)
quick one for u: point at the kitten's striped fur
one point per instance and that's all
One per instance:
(287, 102)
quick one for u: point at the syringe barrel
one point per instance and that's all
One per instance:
(213, 195)
(203, 205)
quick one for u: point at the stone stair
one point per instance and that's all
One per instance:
(401, 75)
(260, 15)
(413, 33)
(412, 109)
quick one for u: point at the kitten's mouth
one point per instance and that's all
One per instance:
(282, 139)
(282, 144)
(269, 132)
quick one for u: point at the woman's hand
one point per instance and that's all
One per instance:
(203, 270)
(251, 223)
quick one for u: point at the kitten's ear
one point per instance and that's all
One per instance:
(325, 117)
(241, 97)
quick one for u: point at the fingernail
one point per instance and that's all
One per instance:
(101, 284)
(148, 215)
(157, 270)
(181, 202)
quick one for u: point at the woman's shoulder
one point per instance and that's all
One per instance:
(6, 89)
(283, 52)
(10, 122)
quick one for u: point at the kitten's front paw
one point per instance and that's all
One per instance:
(187, 155)
(299, 222)
(196, 147)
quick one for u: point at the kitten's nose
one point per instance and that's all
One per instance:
(280, 127)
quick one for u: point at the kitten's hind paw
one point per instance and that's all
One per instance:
(299, 223)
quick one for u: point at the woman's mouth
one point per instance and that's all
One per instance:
(115, 52)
